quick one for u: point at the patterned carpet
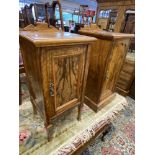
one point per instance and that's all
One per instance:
(120, 140)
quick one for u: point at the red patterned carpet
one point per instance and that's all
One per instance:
(120, 140)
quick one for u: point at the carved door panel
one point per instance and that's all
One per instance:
(68, 75)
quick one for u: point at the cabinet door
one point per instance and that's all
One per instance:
(66, 76)
(113, 66)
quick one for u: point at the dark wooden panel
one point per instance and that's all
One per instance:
(98, 57)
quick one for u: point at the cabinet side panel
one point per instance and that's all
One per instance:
(98, 55)
(31, 59)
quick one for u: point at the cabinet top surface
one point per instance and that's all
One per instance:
(105, 34)
(47, 38)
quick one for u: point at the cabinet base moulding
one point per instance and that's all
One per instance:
(98, 106)
(122, 92)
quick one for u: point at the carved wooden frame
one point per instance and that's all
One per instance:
(53, 7)
(26, 8)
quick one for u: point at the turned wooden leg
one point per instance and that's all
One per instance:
(79, 111)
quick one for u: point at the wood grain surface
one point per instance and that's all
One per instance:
(56, 66)
(106, 60)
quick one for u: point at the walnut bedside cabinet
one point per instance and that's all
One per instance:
(106, 59)
(56, 65)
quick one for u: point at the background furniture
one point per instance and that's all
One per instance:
(129, 27)
(78, 26)
(37, 12)
(22, 23)
(125, 23)
(56, 66)
(106, 59)
(112, 20)
(40, 12)
(120, 5)
(28, 14)
(86, 14)
(126, 80)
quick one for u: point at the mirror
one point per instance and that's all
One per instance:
(39, 12)
(112, 20)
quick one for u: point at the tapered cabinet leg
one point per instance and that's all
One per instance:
(20, 92)
(49, 131)
(79, 112)
(33, 105)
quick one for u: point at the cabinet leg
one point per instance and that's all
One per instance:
(79, 111)
(49, 131)
(33, 105)
(20, 91)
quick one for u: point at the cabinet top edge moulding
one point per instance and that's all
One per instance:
(47, 38)
(105, 34)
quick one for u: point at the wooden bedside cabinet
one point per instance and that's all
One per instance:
(56, 65)
(106, 59)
